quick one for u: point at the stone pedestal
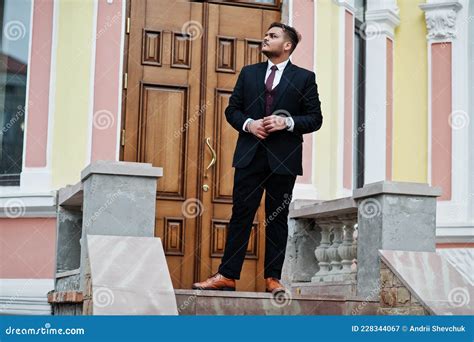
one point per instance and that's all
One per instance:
(112, 198)
(392, 216)
(119, 200)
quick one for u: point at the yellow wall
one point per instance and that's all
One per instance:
(72, 87)
(325, 158)
(410, 125)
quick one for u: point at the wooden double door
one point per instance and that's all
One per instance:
(182, 62)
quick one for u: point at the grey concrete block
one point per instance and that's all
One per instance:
(397, 188)
(119, 205)
(68, 235)
(392, 220)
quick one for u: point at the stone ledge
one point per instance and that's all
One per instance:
(15, 204)
(397, 188)
(335, 207)
(71, 195)
(300, 203)
(115, 168)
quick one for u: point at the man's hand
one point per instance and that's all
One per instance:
(274, 123)
(256, 128)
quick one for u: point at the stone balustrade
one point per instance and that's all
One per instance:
(333, 245)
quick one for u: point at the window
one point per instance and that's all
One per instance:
(359, 93)
(14, 44)
(360, 7)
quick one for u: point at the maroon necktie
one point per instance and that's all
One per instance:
(268, 92)
(269, 82)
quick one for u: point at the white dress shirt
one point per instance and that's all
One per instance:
(281, 67)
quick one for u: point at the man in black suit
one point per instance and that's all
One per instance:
(273, 104)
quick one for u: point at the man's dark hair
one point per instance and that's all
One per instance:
(290, 32)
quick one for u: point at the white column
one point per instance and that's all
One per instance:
(448, 23)
(381, 20)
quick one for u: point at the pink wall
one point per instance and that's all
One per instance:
(106, 81)
(389, 133)
(38, 94)
(348, 99)
(303, 21)
(27, 248)
(441, 104)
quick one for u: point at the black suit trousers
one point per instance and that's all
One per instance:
(249, 184)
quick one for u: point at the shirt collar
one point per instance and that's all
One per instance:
(281, 66)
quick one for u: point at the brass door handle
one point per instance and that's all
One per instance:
(214, 156)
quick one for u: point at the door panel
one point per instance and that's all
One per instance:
(234, 37)
(175, 100)
(163, 89)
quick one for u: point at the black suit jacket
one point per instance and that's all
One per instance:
(296, 96)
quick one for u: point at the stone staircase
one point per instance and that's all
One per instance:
(195, 302)
(332, 264)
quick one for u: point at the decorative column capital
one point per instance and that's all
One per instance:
(441, 20)
(382, 21)
(347, 4)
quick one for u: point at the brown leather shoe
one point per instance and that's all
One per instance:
(216, 282)
(274, 286)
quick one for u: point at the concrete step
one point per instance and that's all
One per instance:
(196, 302)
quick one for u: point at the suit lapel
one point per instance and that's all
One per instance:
(260, 75)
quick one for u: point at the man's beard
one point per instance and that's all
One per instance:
(270, 54)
